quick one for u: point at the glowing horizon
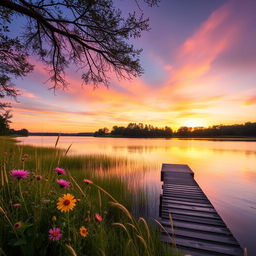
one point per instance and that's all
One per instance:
(199, 71)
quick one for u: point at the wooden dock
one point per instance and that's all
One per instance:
(198, 229)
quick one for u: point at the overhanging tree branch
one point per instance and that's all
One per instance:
(91, 34)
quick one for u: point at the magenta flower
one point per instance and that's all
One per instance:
(19, 174)
(60, 171)
(63, 183)
(55, 234)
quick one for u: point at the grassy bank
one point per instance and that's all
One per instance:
(96, 221)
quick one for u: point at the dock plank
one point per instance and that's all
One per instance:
(197, 227)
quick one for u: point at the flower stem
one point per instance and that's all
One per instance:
(22, 198)
(68, 228)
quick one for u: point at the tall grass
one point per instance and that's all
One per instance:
(28, 206)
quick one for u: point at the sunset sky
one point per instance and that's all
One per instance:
(200, 69)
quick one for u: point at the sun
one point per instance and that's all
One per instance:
(194, 123)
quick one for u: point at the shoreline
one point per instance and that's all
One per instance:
(249, 139)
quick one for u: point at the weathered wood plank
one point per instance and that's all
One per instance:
(207, 215)
(188, 207)
(195, 219)
(189, 193)
(179, 168)
(179, 195)
(185, 194)
(188, 188)
(204, 236)
(196, 226)
(206, 246)
(180, 202)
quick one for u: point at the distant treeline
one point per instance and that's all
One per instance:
(236, 130)
(134, 130)
(140, 130)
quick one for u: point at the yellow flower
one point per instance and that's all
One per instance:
(66, 203)
(83, 231)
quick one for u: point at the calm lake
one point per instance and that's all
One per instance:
(225, 170)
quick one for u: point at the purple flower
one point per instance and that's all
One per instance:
(60, 171)
(54, 234)
(63, 183)
(19, 174)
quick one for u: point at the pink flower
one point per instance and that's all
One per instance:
(98, 217)
(60, 171)
(63, 183)
(38, 177)
(17, 205)
(19, 174)
(87, 181)
(54, 234)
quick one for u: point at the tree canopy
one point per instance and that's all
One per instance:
(92, 34)
(134, 130)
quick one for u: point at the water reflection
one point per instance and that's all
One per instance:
(225, 170)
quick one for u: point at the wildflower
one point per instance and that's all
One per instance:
(19, 174)
(66, 203)
(17, 205)
(22, 159)
(83, 231)
(87, 181)
(54, 234)
(25, 155)
(38, 177)
(59, 171)
(5, 153)
(54, 218)
(87, 219)
(63, 183)
(17, 225)
(98, 217)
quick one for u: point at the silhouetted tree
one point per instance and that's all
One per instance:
(101, 132)
(22, 132)
(184, 131)
(91, 34)
(5, 122)
(140, 130)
